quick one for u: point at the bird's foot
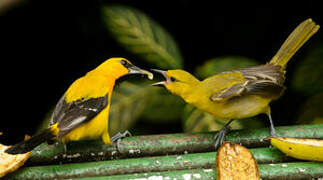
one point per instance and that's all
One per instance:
(273, 132)
(272, 128)
(220, 136)
(65, 148)
(120, 136)
(117, 138)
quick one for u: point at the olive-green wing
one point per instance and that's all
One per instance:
(266, 80)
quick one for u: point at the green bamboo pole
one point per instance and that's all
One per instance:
(139, 146)
(138, 165)
(299, 170)
(81, 151)
(192, 174)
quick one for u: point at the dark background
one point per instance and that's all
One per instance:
(46, 45)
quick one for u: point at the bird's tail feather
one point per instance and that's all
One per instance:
(36, 140)
(294, 41)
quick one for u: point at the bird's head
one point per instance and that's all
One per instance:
(118, 67)
(178, 82)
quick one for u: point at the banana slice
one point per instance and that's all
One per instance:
(305, 149)
(234, 161)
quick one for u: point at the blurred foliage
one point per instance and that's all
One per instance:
(128, 102)
(307, 78)
(217, 65)
(311, 111)
(163, 107)
(142, 36)
(6, 5)
(195, 120)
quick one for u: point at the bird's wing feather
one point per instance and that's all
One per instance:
(266, 80)
(71, 115)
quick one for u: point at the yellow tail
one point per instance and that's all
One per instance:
(294, 41)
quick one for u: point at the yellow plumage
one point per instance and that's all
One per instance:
(294, 41)
(96, 83)
(83, 111)
(199, 93)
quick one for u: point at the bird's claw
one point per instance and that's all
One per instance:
(273, 132)
(220, 136)
(117, 138)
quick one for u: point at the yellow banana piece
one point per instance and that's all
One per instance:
(305, 149)
(234, 161)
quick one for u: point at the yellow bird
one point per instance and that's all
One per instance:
(241, 93)
(83, 111)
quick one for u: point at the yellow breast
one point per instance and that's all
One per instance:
(236, 108)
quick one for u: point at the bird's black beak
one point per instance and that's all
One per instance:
(161, 83)
(136, 70)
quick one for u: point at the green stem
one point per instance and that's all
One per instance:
(139, 146)
(138, 165)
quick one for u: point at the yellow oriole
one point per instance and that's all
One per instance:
(240, 93)
(83, 111)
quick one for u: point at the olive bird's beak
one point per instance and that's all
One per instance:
(161, 83)
(136, 70)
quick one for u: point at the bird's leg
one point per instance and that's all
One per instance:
(65, 148)
(220, 136)
(119, 136)
(272, 129)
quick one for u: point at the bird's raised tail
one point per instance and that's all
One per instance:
(36, 140)
(294, 41)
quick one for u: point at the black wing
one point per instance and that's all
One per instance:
(71, 115)
(266, 80)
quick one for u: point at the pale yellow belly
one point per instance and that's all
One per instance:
(238, 108)
(93, 129)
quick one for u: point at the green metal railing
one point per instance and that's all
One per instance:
(173, 156)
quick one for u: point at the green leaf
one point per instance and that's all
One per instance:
(307, 78)
(217, 65)
(128, 102)
(132, 101)
(195, 120)
(142, 36)
(163, 107)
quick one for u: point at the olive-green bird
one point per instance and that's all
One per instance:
(241, 93)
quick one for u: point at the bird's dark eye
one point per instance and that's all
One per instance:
(123, 62)
(172, 79)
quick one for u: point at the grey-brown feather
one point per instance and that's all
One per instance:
(265, 80)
